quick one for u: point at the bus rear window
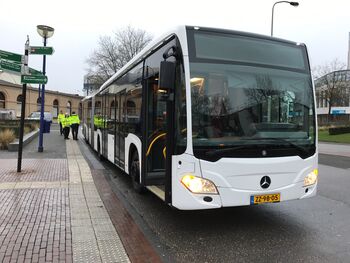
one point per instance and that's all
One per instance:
(243, 49)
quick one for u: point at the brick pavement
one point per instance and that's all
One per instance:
(34, 212)
(52, 212)
(47, 170)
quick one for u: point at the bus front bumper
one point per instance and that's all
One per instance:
(229, 197)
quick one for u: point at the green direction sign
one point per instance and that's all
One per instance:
(34, 72)
(10, 66)
(41, 50)
(10, 56)
(34, 79)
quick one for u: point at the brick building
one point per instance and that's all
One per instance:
(11, 97)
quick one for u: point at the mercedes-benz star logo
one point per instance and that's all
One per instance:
(265, 182)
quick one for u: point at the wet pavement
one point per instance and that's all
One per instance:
(53, 212)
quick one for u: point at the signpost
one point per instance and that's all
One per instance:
(4, 64)
(23, 111)
(18, 63)
(10, 56)
(41, 50)
(34, 79)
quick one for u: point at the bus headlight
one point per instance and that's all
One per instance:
(311, 178)
(198, 185)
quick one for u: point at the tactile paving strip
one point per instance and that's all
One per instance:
(86, 251)
(94, 237)
(111, 251)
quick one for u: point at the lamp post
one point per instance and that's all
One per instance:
(295, 4)
(45, 32)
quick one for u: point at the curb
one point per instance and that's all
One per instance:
(13, 146)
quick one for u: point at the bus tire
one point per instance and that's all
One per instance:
(135, 173)
(99, 155)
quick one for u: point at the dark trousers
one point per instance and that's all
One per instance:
(66, 132)
(75, 128)
(61, 129)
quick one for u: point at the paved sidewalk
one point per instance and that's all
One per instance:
(94, 237)
(52, 212)
(35, 215)
(334, 149)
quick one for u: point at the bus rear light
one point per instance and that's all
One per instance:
(198, 185)
(311, 178)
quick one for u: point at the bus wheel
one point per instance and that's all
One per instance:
(135, 173)
(99, 155)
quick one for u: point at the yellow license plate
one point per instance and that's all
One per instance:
(260, 199)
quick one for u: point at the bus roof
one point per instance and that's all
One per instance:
(180, 32)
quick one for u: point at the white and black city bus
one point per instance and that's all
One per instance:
(209, 118)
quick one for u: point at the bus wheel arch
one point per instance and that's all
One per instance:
(134, 171)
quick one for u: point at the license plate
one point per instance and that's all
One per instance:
(260, 199)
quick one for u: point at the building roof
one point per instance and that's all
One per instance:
(336, 76)
(14, 80)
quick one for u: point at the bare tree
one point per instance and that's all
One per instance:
(331, 82)
(113, 52)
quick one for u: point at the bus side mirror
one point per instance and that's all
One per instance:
(167, 75)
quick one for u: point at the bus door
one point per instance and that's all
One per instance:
(155, 137)
(105, 112)
(158, 138)
(120, 130)
(92, 125)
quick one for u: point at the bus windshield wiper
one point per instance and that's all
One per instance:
(282, 142)
(229, 149)
(286, 142)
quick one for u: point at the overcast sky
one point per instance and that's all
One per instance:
(323, 26)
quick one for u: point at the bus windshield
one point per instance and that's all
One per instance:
(250, 97)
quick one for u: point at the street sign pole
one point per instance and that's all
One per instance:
(42, 108)
(23, 111)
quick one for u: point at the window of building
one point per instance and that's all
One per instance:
(69, 108)
(38, 104)
(131, 107)
(80, 111)
(98, 109)
(2, 100)
(55, 108)
(112, 110)
(19, 106)
(325, 98)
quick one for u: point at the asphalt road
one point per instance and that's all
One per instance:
(311, 230)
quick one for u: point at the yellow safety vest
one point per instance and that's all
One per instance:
(74, 119)
(60, 117)
(97, 121)
(65, 122)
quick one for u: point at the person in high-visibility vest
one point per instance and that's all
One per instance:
(59, 120)
(66, 126)
(74, 123)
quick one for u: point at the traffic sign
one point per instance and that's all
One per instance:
(34, 79)
(10, 56)
(41, 50)
(4, 64)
